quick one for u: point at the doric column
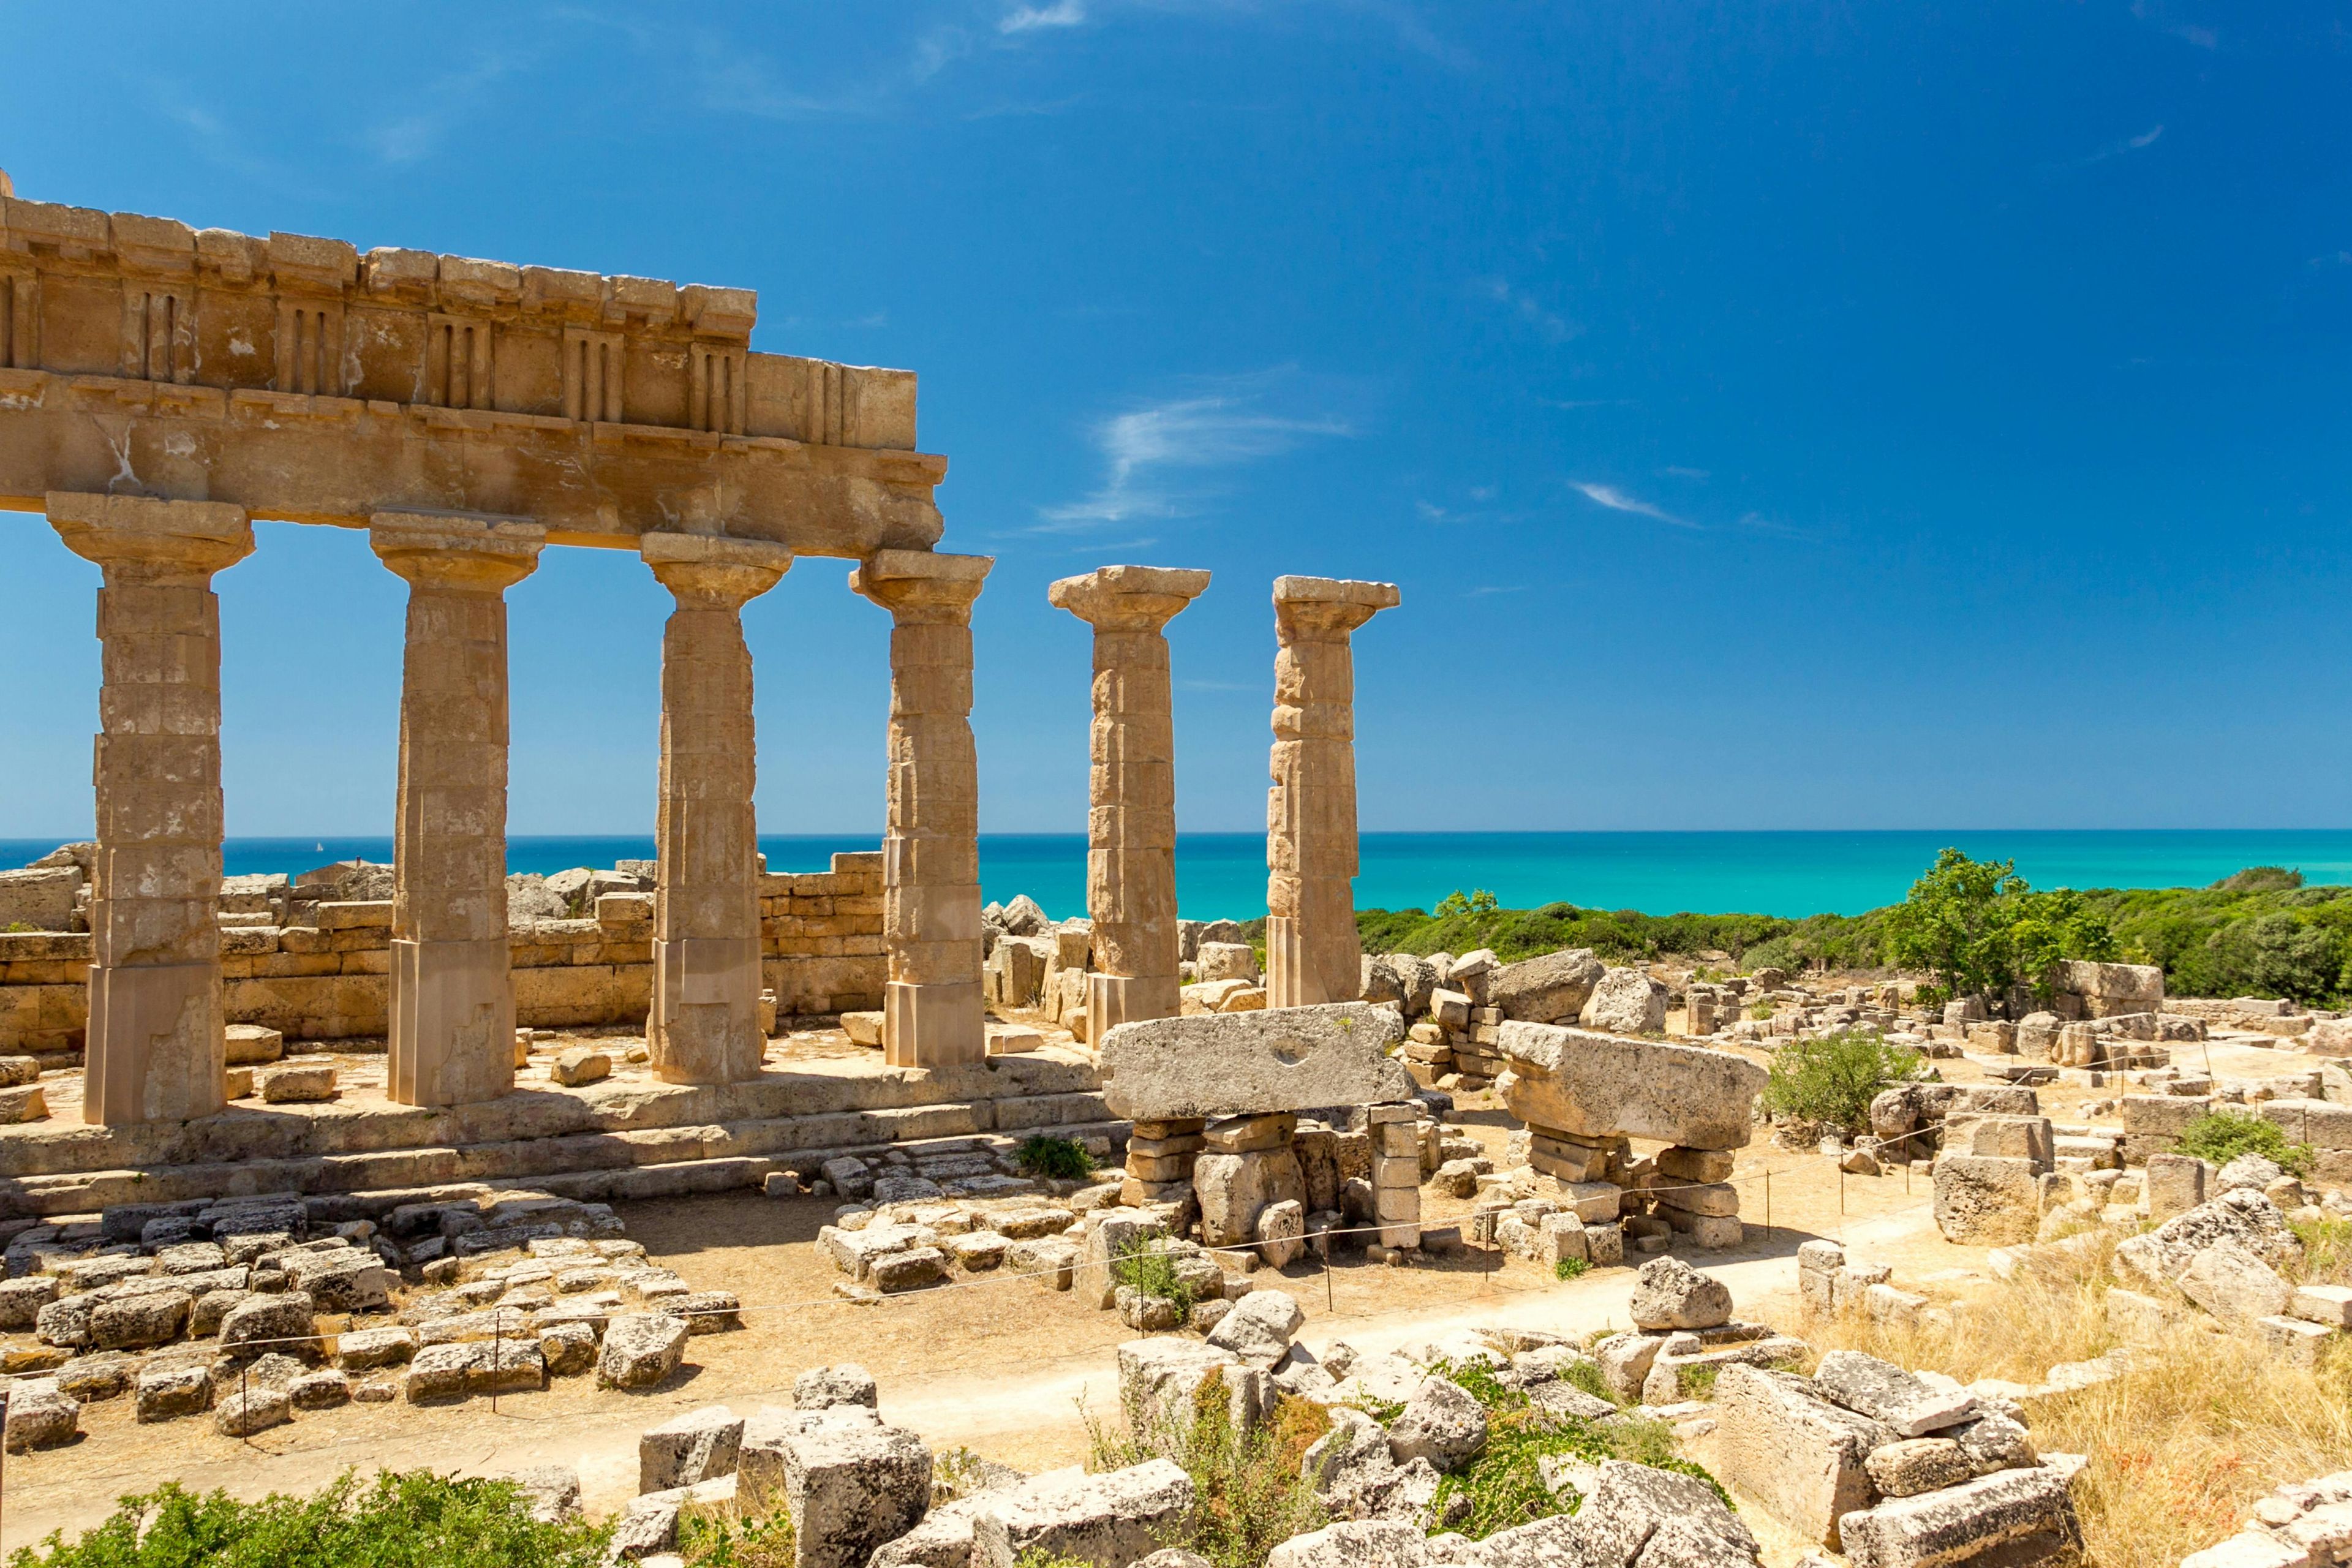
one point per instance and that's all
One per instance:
(931, 852)
(1131, 791)
(1311, 948)
(155, 1051)
(705, 1024)
(452, 997)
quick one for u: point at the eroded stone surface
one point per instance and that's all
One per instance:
(1278, 1060)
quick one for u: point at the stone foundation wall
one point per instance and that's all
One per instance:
(821, 941)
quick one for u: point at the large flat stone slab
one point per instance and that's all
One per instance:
(1595, 1085)
(1232, 1063)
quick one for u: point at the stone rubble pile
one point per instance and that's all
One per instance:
(1893, 1468)
(2304, 1524)
(252, 1309)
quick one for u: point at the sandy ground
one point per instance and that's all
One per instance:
(1002, 1365)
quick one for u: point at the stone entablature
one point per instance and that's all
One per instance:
(304, 380)
(820, 937)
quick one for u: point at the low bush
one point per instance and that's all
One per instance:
(722, 1538)
(1065, 1159)
(1571, 1268)
(1829, 1081)
(399, 1519)
(1150, 1271)
(1249, 1496)
(1504, 1486)
(2221, 1136)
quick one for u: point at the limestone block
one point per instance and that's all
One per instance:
(569, 1348)
(362, 1350)
(640, 1350)
(510, 1365)
(1441, 1423)
(257, 1409)
(2231, 1282)
(297, 1085)
(1669, 1294)
(277, 1322)
(1228, 961)
(1259, 1328)
(1907, 1405)
(1802, 1458)
(250, 1045)
(1277, 1059)
(39, 1416)
(863, 1028)
(2158, 1257)
(1233, 1189)
(686, 1451)
(2013, 1517)
(1597, 1086)
(2173, 1185)
(1916, 1465)
(1626, 1002)
(1986, 1199)
(130, 1322)
(579, 1064)
(167, 1392)
(24, 1102)
(848, 1483)
(1110, 1521)
(1659, 1518)
(1354, 1543)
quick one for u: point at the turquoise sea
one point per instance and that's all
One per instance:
(1221, 876)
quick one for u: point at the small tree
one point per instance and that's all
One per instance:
(1831, 1082)
(1979, 927)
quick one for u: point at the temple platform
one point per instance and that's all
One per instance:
(628, 1136)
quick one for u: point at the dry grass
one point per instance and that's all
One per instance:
(2198, 1427)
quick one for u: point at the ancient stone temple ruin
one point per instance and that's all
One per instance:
(162, 386)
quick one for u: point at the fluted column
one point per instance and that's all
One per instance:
(452, 995)
(155, 1045)
(1311, 948)
(1131, 789)
(705, 1023)
(931, 852)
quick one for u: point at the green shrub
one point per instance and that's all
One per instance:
(1151, 1271)
(722, 1538)
(1586, 1375)
(2260, 880)
(1063, 1158)
(1831, 1082)
(1570, 1269)
(399, 1519)
(1248, 1494)
(2221, 1136)
(1038, 1557)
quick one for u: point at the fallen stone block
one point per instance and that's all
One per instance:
(1669, 1294)
(167, 1393)
(297, 1085)
(40, 1416)
(2234, 1285)
(640, 1350)
(1986, 1199)
(1597, 1086)
(1354, 1543)
(253, 1410)
(850, 1484)
(1271, 1060)
(1259, 1328)
(1441, 1423)
(1799, 1456)
(700, 1445)
(2012, 1519)
(1544, 989)
(1110, 1521)
(1886, 1394)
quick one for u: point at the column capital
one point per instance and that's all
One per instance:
(1128, 598)
(453, 551)
(708, 572)
(1319, 607)
(920, 586)
(158, 538)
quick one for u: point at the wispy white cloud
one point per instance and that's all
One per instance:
(442, 104)
(1483, 590)
(2114, 149)
(1615, 499)
(1548, 324)
(1029, 18)
(1226, 425)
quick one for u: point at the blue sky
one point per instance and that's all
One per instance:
(1776, 416)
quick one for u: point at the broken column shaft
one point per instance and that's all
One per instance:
(1313, 953)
